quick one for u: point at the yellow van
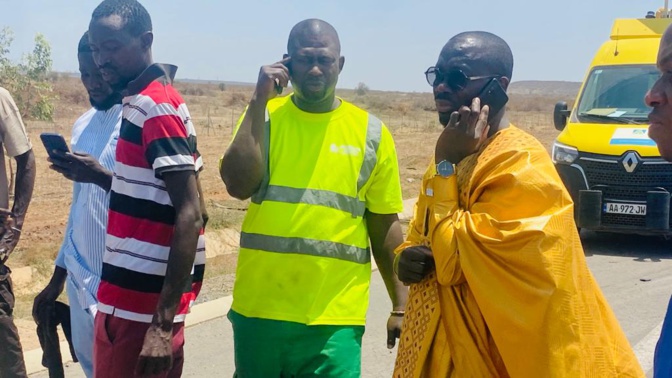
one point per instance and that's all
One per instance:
(608, 163)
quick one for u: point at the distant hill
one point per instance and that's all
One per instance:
(549, 88)
(529, 87)
(180, 80)
(524, 87)
(231, 83)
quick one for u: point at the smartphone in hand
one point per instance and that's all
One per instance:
(288, 64)
(493, 95)
(54, 141)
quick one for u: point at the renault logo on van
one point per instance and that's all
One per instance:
(630, 162)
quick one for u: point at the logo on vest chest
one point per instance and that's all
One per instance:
(345, 149)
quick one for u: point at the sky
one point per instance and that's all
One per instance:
(387, 44)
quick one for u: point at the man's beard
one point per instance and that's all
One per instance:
(108, 103)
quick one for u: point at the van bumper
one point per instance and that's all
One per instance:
(589, 211)
(656, 221)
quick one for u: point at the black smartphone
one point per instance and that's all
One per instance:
(54, 141)
(288, 64)
(494, 96)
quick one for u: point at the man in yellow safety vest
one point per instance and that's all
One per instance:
(323, 180)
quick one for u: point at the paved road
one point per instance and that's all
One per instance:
(635, 274)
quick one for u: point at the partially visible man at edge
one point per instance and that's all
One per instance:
(500, 284)
(660, 130)
(80, 259)
(324, 179)
(15, 141)
(155, 250)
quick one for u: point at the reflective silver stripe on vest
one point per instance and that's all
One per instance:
(317, 197)
(373, 132)
(319, 248)
(352, 205)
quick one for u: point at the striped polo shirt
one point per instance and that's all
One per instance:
(156, 136)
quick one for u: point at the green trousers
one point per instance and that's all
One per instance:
(270, 348)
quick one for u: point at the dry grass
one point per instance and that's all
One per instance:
(410, 117)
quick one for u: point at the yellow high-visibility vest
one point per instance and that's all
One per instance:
(305, 253)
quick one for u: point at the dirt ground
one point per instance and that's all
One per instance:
(49, 208)
(412, 122)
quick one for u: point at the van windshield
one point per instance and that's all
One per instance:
(615, 94)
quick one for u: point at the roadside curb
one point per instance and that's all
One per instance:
(199, 313)
(407, 214)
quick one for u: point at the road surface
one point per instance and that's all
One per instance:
(635, 274)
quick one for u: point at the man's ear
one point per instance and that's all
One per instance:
(504, 82)
(341, 63)
(146, 40)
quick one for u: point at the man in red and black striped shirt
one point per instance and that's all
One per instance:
(155, 251)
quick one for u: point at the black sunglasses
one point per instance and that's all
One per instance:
(455, 79)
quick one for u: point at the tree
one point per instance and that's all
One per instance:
(361, 89)
(28, 81)
(222, 87)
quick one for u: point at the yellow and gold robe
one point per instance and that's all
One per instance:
(512, 295)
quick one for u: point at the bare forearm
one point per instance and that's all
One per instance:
(25, 182)
(105, 180)
(243, 165)
(178, 271)
(384, 239)
(396, 289)
(201, 201)
(58, 278)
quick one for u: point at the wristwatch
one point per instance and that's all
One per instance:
(445, 168)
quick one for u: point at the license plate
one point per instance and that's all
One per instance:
(624, 208)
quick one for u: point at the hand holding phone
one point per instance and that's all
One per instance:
(465, 132)
(272, 79)
(287, 62)
(493, 95)
(54, 142)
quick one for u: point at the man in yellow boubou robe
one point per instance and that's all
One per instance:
(499, 282)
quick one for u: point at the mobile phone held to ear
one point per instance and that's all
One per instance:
(54, 141)
(288, 63)
(494, 96)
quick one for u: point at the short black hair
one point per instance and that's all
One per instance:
(84, 46)
(493, 50)
(136, 18)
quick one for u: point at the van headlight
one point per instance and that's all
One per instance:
(564, 154)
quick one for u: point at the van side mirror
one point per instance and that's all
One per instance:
(560, 115)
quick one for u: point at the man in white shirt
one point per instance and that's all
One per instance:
(80, 259)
